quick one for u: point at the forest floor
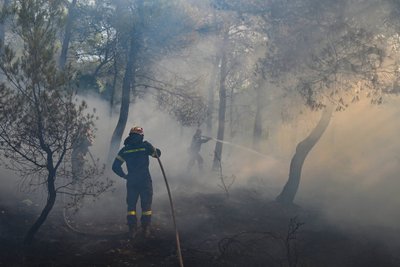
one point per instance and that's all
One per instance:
(242, 230)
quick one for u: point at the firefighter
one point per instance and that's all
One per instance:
(79, 150)
(194, 150)
(135, 154)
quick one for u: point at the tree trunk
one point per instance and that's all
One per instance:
(125, 100)
(114, 84)
(303, 148)
(51, 199)
(67, 34)
(232, 126)
(6, 4)
(128, 80)
(211, 90)
(222, 106)
(257, 131)
(213, 81)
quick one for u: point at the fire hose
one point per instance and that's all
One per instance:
(178, 244)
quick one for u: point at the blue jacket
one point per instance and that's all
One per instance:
(135, 154)
(197, 141)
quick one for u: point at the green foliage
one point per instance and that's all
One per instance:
(40, 116)
(318, 52)
(103, 30)
(186, 107)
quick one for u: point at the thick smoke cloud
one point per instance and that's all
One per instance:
(351, 175)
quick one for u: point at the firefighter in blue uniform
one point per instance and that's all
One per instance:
(194, 150)
(80, 149)
(135, 154)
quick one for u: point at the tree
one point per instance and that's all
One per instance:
(118, 42)
(181, 102)
(222, 102)
(150, 36)
(347, 61)
(315, 50)
(100, 43)
(3, 22)
(239, 41)
(135, 39)
(302, 149)
(67, 33)
(40, 118)
(257, 131)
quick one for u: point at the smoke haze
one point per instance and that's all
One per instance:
(352, 173)
(350, 176)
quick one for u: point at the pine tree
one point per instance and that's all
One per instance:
(40, 118)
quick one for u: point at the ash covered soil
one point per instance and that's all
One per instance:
(242, 230)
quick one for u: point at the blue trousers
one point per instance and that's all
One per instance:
(144, 191)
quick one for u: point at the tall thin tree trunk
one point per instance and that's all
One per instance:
(213, 81)
(211, 90)
(51, 199)
(232, 127)
(2, 36)
(129, 77)
(67, 34)
(257, 131)
(3, 30)
(128, 81)
(3, 23)
(222, 105)
(114, 84)
(303, 148)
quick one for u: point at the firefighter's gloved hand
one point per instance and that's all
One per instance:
(158, 151)
(125, 176)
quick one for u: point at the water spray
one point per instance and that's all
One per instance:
(238, 146)
(178, 244)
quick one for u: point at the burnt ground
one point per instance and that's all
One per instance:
(242, 230)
